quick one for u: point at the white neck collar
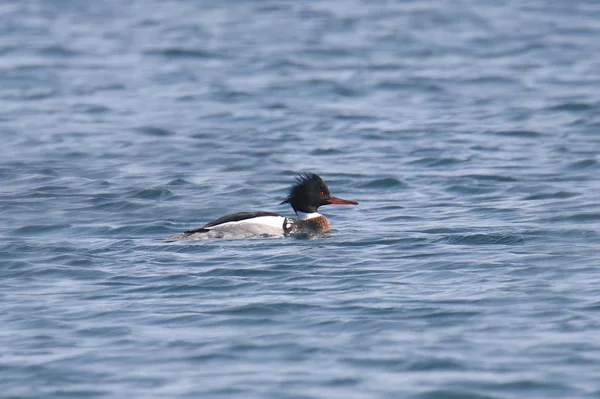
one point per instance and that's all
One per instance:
(304, 216)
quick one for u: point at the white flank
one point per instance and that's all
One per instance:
(258, 226)
(304, 216)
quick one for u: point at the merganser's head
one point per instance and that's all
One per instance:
(310, 192)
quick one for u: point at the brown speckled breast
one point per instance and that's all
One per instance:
(309, 226)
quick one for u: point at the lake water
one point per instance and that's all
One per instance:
(468, 131)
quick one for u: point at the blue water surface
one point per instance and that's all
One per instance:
(469, 131)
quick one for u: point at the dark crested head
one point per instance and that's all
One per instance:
(310, 192)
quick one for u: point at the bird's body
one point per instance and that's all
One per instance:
(306, 196)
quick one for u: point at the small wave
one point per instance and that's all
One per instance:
(482, 80)
(584, 164)
(436, 162)
(178, 182)
(484, 239)
(386, 182)
(468, 190)
(92, 108)
(326, 151)
(582, 217)
(40, 229)
(452, 393)
(108, 331)
(412, 85)
(37, 94)
(438, 230)
(519, 133)
(497, 178)
(60, 51)
(262, 309)
(554, 195)
(436, 364)
(354, 117)
(153, 193)
(154, 131)
(571, 107)
(113, 206)
(179, 52)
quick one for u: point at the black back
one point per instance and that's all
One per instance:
(234, 217)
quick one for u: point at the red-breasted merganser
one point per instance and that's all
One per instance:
(306, 196)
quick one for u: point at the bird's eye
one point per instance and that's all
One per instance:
(321, 194)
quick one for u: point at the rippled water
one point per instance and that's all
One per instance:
(469, 132)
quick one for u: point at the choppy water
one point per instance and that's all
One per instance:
(469, 132)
